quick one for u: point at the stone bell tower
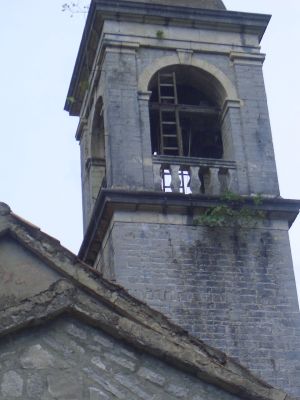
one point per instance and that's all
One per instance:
(181, 202)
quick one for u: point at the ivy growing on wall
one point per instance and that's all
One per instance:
(160, 35)
(232, 212)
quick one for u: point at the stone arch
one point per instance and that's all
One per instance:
(96, 163)
(229, 90)
(189, 123)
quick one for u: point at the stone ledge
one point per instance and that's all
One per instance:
(110, 200)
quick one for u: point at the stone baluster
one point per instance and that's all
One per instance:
(157, 177)
(223, 178)
(195, 183)
(231, 180)
(175, 180)
(204, 173)
(213, 185)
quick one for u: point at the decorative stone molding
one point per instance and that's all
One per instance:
(115, 46)
(144, 96)
(95, 161)
(185, 56)
(228, 104)
(247, 58)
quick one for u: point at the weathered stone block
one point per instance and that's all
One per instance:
(12, 385)
(66, 386)
(37, 358)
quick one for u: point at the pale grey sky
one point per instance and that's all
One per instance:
(39, 157)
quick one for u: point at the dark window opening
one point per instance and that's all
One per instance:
(96, 163)
(184, 120)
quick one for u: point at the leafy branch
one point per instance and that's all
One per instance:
(75, 7)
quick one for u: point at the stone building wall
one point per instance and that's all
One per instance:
(68, 360)
(232, 288)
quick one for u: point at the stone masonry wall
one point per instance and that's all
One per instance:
(234, 289)
(67, 360)
(123, 146)
(257, 139)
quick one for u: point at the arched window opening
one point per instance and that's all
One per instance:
(96, 164)
(97, 139)
(184, 114)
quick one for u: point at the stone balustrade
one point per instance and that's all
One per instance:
(193, 175)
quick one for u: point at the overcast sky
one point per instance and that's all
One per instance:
(39, 157)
